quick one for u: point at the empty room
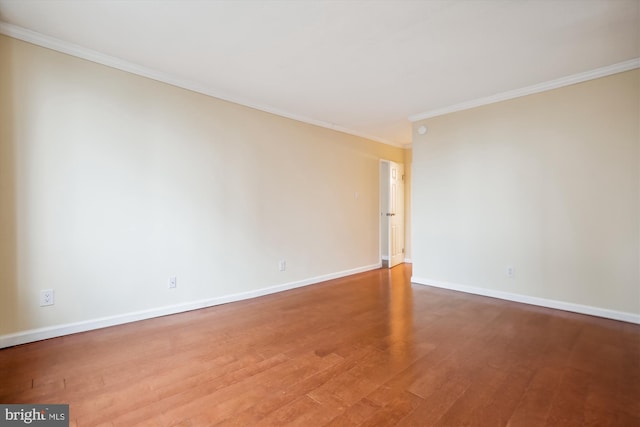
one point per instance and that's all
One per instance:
(320, 213)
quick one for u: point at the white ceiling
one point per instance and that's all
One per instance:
(360, 66)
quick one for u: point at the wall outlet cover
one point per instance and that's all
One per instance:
(47, 297)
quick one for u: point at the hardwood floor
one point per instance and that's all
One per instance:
(365, 350)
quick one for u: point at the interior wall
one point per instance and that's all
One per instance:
(547, 184)
(111, 183)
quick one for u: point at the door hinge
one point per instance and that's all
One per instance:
(402, 250)
(403, 177)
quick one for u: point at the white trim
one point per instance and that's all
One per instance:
(526, 299)
(380, 218)
(103, 322)
(408, 261)
(58, 45)
(529, 90)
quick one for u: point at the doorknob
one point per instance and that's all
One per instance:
(390, 214)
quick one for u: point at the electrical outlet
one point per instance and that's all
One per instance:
(509, 271)
(173, 282)
(282, 265)
(46, 297)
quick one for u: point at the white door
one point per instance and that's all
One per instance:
(395, 214)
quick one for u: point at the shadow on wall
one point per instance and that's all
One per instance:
(8, 200)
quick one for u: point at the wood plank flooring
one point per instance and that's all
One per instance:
(365, 350)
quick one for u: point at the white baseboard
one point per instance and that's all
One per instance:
(103, 322)
(543, 302)
(408, 260)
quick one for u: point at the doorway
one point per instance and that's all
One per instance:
(391, 213)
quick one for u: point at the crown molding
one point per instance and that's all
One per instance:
(530, 90)
(72, 49)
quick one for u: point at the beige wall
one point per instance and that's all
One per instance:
(110, 183)
(548, 184)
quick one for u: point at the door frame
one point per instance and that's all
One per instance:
(382, 220)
